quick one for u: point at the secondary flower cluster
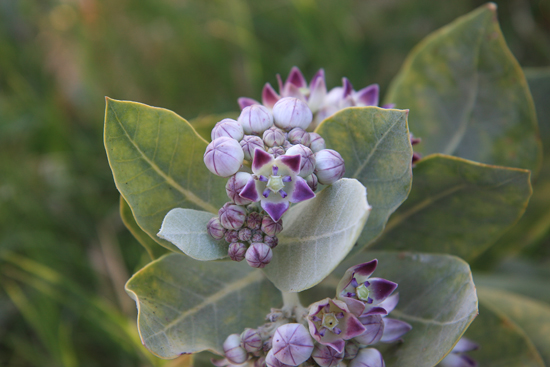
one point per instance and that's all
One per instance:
(270, 160)
(338, 329)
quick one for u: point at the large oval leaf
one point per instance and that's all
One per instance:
(186, 228)
(153, 248)
(468, 96)
(157, 164)
(375, 145)
(533, 317)
(457, 206)
(501, 341)
(317, 235)
(436, 296)
(186, 306)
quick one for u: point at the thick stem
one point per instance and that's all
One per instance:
(292, 306)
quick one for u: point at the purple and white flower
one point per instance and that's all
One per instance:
(224, 156)
(249, 144)
(255, 119)
(329, 166)
(229, 128)
(289, 113)
(292, 344)
(258, 255)
(234, 187)
(307, 163)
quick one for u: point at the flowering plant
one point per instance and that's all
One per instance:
(285, 185)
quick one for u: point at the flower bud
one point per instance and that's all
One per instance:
(233, 350)
(231, 236)
(374, 330)
(249, 144)
(312, 181)
(258, 255)
(272, 361)
(234, 187)
(307, 163)
(299, 136)
(276, 151)
(292, 344)
(351, 350)
(329, 166)
(254, 221)
(255, 119)
(228, 128)
(270, 227)
(245, 234)
(317, 142)
(251, 340)
(326, 356)
(257, 237)
(271, 241)
(260, 362)
(224, 156)
(232, 216)
(291, 112)
(236, 251)
(274, 137)
(287, 145)
(368, 357)
(215, 228)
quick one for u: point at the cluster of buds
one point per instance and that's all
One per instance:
(330, 332)
(270, 160)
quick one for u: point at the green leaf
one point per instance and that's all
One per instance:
(187, 306)
(157, 163)
(502, 342)
(153, 249)
(317, 235)
(457, 206)
(375, 145)
(531, 316)
(436, 296)
(468, 96)
(186, 228)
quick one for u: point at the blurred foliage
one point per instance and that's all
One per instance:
(64, 252)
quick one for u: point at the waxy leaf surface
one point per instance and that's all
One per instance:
(375, 145)
(502, 342)
(153, 248)
(157, 163)
(186, 228)
(533, 317)
(187, 306)
(318, 234)
(468, 96)
(457, 206)
(436, 296)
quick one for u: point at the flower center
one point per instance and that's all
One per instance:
(329, 320)
(275, 183)
(363, 292)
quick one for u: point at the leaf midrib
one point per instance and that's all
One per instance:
(188, 194)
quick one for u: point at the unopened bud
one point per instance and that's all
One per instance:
(260, 362)
(258, 255)
(249, 144)
(375, 330)
(274, 137)
(231, 236)
(351, 350)
(317, 142)
(270, 227)
(232, 216)
(229, 128)
(251, 340)
(312, 181)
(257, 237)
(255, 119)
(254, 221)
(292, 344)
(272, 361)
(368, 357)
(299, 136)
(245, 234)
(215, 228)
(290, 112)
(326, 356)
(271, 241)
(235, 185)
(307, 163)
(329, 166)
(276, 151)
(236, 251)
(224, 156)
(233, 350)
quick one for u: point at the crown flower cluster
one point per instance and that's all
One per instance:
(328, 332)
(271, 161)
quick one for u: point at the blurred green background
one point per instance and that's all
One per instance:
(64, 252)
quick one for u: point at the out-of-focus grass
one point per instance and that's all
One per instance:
(64, 253)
